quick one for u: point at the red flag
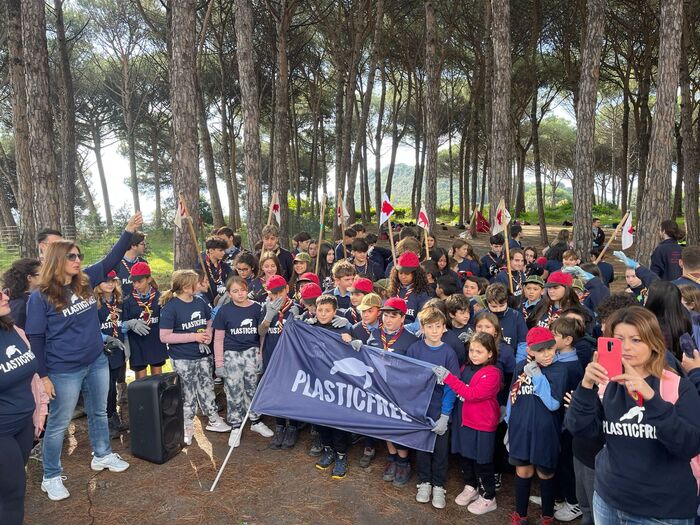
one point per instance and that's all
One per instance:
(482, 225)
(423, 221)
(386, 211)
(275, 208)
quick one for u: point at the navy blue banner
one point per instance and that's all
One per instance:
(314, 376)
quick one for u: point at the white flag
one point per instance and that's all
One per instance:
(627, 233)
(342, 213)
(501, 219)
(386, 211)
(275, 208)
(423, 221)
(180, 214)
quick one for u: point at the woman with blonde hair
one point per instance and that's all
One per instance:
(64, 331)
(185, 326)
(650, 418)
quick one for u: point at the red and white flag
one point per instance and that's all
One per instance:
(275, 208)
(386, 211)
(501, 219)
(423, 221)
(180, 214)
(627, 232)
(342, 212)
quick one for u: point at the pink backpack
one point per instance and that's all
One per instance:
(669, 385)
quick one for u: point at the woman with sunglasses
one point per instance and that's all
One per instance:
(64, 330)
(20, 279)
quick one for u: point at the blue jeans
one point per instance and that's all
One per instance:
(93, 381)
(604, 514)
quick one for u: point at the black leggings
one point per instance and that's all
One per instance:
(474, 472)
(112, 393)
(13, 481)
(338, 440)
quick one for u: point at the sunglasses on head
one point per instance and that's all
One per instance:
(72, 257)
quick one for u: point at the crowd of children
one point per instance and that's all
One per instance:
(512, 347)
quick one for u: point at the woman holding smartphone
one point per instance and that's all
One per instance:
(650, 418)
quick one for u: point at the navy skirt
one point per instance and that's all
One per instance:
(469, 443)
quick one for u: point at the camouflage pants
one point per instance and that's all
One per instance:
(197, 386)
(240, 384)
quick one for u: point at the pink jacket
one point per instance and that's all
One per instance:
(480, 409)
(41, 398)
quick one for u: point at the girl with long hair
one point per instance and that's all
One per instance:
(409, 282)
(64, 331)
(20, 280)
(559, 296)
(185, 326)
(664, 301)
(326, 254)
(269, 265)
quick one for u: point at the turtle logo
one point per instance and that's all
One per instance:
(12, 350)
(74, 298)
(353, 367)
(196, 315)
(633, 412)
(246, 322)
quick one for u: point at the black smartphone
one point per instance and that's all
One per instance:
(687, 345)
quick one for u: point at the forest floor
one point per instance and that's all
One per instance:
(259, 485)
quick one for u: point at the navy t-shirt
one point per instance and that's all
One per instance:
(185, 318)
(443, 355)
(17, 367)
(145, 349)
(240, 324)
(113, 329)
(274, 332)
(414, 302)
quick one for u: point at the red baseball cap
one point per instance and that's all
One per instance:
(309, 277)
(539, 338)
(311, 291)
(140, 269)
(541, 261)
(112, 275)
(361, 285)
(275, 283)
(559, 279)
(408, 261)
(395, 304)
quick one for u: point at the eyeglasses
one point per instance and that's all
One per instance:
(72, 257)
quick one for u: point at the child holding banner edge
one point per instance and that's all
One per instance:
(432, 467)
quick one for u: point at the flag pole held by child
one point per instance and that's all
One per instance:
(386, 212)
(424, 223)
(342, 212)
(320, 233)
(500, 224)
(625, 223)
(181, 214)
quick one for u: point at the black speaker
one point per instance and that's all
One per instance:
(155, 417)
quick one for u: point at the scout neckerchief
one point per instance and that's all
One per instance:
(584, 296)
(552, 315)
(353, 312)
(214, 272)
(361, 269)
(128, 270)
(516, 386)
(145, 305)
(368, 329)
(113, 316)
(409, 291)
(388, 344)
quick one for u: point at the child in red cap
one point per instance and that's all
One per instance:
(534, 422)
(409, 282)
(559, 296)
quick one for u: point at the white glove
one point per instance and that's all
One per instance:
(138, 326)
(272, 308)
(532, 369)
(114, 342)
(204, 349)
(463, 336)
(339, 322)
(441, 373)
(441, 426)
(311, 320)
(356, 345)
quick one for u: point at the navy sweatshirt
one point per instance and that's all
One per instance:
(597, 292)
(664, 260)
(69, 340)
(513, 328)
(414, 302)
(396, 344)
(17, 367)
(684, 280)
(443, 398)
(607, 272)
(18, 310)
(644, 468)
(112, 329)
(490, 265)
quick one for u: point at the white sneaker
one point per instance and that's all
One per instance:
(112, 461)
(439, 497)
(568, 512)
(234, 439)
(468, 495)
(54, 488)
(482, 506)
(217, 424)
(189, 432)
(558, 505)
(424, 491)
(262, 429)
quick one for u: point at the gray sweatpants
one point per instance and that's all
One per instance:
(197, 386)
(239, 384)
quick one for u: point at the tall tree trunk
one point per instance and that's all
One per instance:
(643, 131)
(234, 182)
(155, 168)
(378, 138)
(245, 55)
(92, 209)
(226, 159)
(208, 154)
(68, 143)
(501, 128)
(676, 209)
(432, 105)
(583, 181)
(689, 152)
(39, 116)
(624, 154)
(655, 204)
(537, 162)
(183, 94)
(97, 148)
(25, 185)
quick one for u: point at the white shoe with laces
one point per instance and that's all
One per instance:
(261, 428)
(54, 488)
(113, 462)
(189, 432)
(537, 500)
(234, 439)
(568, 512)
(217, 424)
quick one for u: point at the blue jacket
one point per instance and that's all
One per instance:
(665, 258)
(597, 292)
